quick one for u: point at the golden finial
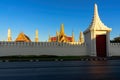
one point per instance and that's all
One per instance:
(62, 29)
(36, 36)
(9, 35)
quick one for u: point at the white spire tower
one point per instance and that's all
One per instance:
(36, 36)
(96, 23)
(9, 35)
(97, 30)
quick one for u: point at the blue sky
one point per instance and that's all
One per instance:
(47, 15)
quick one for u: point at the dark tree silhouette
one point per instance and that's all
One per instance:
(116, 40)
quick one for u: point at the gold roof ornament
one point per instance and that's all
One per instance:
(22, 38)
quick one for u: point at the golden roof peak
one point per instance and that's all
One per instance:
(22, 38)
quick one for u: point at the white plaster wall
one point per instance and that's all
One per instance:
(88, 42)
(42, 48)
(115, 49)
(45, 48)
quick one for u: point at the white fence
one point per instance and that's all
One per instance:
(114, 49)
(42, 48)
(50, 48)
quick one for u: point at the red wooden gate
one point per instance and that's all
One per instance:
(101, 45)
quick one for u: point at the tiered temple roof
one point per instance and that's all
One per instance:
(61, 36)
(22, 38)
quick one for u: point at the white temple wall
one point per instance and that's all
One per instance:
(50, 48)
(42, 48)
(114, 49)
(88, 43)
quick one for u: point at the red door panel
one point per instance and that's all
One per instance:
(101, 45)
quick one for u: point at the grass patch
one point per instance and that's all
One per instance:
(41, 57)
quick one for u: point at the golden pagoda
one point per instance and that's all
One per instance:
(61, 36)
(22, 38)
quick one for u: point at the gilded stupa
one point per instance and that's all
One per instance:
(22, 38)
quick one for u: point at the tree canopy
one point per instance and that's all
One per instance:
(116, 40)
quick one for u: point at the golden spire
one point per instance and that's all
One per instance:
(57, 36)
(73, 39)
(9, 35)
(57, 33)
(62, 29)
(49, 39)
(81, 38)
(36, 36)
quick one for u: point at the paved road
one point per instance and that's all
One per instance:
(64, 70)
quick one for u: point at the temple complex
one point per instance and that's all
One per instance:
(97, 42)
(62, 37)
